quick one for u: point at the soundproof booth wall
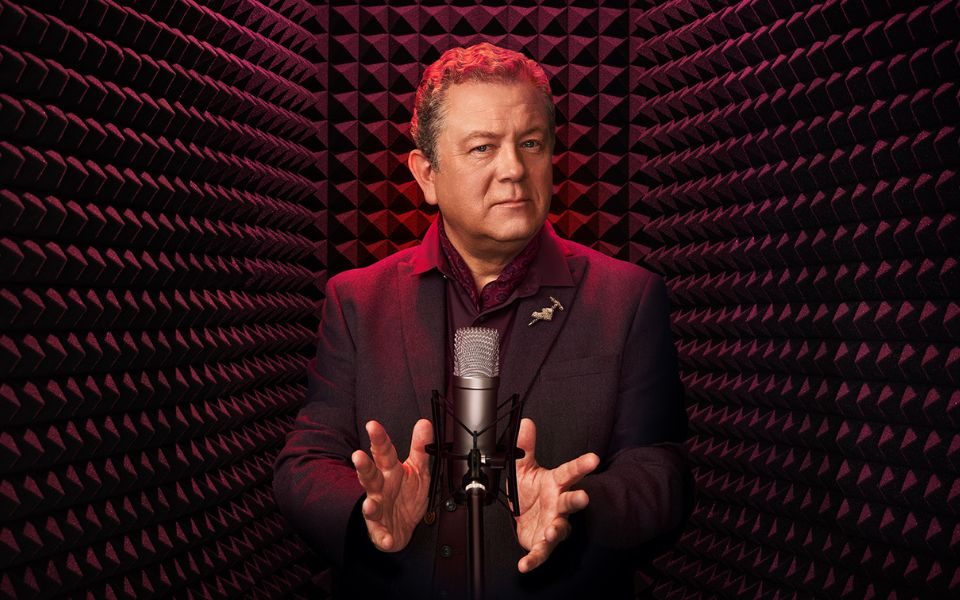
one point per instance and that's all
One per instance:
(179, 178)
(161, 212)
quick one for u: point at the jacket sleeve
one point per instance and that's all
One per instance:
(315, 483)
(642, 489)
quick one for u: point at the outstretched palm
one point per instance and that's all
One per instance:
(396, 491)
(546, 499)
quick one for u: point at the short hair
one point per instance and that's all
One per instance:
(481, 62)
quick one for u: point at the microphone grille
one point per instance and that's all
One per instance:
(476, 352)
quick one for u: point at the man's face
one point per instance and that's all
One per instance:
(495, 175)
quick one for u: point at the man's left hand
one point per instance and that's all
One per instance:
(546, 499)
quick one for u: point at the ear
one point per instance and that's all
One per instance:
(423, 172)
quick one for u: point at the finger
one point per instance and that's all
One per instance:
(386, 542)
(422, 435)
(558, 531)
(527, 441)
(369, 475)
(572, 501)
(384, 454)
(380, 537)
(372, 509)
(574, 470)
(536, 557)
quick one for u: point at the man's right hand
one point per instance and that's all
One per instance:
(396, 491)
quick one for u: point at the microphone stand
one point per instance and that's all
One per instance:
(477, 491)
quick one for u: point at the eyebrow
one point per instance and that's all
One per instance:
(480, 134)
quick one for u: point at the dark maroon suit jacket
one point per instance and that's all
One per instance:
(600, 377)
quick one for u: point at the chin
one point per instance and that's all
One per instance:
(515, 235)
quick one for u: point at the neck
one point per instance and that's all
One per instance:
(486, 269)
(485, 263)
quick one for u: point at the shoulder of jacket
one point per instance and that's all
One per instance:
(600, 265)
(371, 276)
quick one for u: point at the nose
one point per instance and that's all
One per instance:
(510, 165)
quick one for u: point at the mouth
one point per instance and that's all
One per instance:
(511, 202)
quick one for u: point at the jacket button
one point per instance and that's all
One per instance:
(450, 505)
(446, 551)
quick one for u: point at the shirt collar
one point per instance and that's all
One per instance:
(549, 268)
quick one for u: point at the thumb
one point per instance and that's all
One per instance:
(422, 435)
(527, 441)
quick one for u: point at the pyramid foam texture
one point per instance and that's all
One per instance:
(178, 178)
(791, 169)
(161, 247)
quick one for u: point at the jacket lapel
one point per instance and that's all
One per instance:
(529, 345)
(424, 317)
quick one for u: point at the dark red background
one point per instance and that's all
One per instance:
(178, 179)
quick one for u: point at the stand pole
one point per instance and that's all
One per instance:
(475, 482)
(475, 498)
(476, 490)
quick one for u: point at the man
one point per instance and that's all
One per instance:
(603, 472)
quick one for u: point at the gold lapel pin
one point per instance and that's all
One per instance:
(545, 313)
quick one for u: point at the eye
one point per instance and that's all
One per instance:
(481, 149)
(531, 144)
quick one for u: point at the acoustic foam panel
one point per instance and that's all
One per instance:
(377, 55)
(791, 169)
(162, 168)
(795, 170)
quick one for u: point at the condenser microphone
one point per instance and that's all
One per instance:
(476, 377)
(472, 460)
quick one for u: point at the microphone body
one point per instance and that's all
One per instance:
(476, 378)
(475, 406)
